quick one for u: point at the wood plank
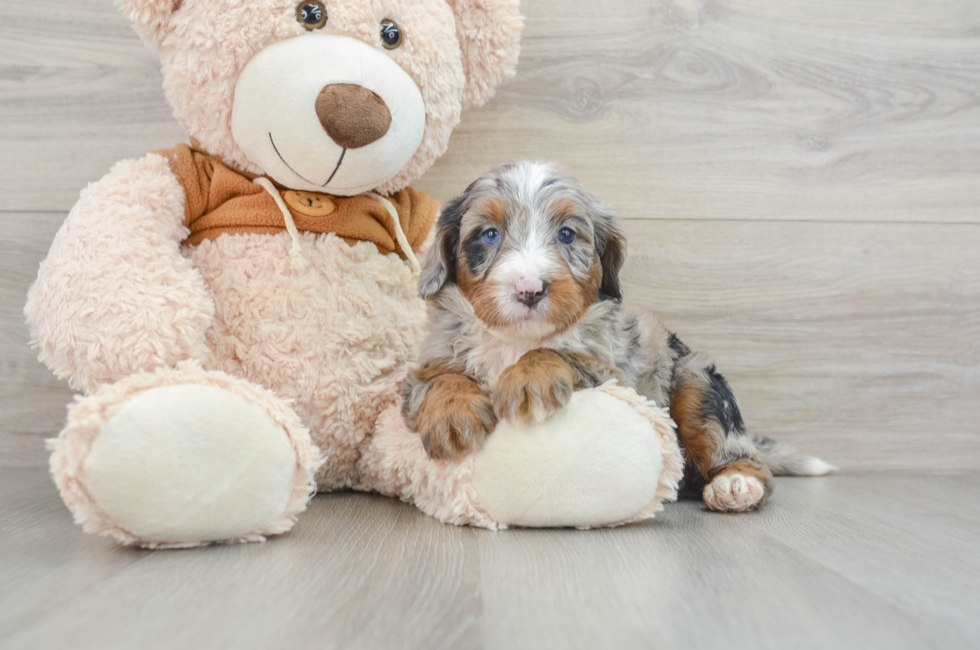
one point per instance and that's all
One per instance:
(32, 401)
(884, 544)
(856, 342)
(841, 562)
(838, 110)
(79, 93)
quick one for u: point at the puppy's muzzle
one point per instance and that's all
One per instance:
(530, 292)
(352, 115)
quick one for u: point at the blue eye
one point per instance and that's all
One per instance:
(566, 235)
(491, 237)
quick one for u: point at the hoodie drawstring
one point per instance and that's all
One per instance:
(296, 250)
(399, 233)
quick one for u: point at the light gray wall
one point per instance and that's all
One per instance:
(800, 181)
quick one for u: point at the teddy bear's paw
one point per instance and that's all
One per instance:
(455, 418)
(190, 464)
(734, 492)
(574, 469)
(534, 388)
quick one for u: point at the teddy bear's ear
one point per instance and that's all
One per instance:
(489, 33)
(151, 18)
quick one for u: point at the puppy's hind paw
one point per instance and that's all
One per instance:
(734, 492)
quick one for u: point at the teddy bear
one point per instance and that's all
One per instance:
(239, 312)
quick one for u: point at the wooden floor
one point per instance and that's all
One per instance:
(878, 561)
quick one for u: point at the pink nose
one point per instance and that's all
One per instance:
(530, 291)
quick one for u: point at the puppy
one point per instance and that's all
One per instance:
(525, 306)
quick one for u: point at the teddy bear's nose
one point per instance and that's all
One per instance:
(352, 115)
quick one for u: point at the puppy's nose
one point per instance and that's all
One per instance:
(352, 115)
(530, 291)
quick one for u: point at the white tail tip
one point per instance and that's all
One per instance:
(816, 467)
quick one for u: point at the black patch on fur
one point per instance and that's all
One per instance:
(440, 269)
(720, 405)
(477, 253)
(678, 346)
(448, 230)
(611, 248)
(692, 485)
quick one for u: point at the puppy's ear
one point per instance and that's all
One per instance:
(440, 265)
(151, 18)
(489, 33)
(610, 244)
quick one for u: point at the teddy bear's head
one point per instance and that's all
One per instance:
(334, 96)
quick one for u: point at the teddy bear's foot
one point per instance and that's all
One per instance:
(606, 458)
(183, 457)
(609, 457)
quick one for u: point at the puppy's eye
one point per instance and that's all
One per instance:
(491, 237)
(391, 34)
(312, 15)
(566, 235)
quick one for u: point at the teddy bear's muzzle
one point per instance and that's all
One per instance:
(352, 115)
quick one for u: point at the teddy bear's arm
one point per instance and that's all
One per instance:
(115, 295)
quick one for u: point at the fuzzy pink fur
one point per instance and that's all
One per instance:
(395, 464)
(489, 31)
(115, 296)
(87, 415)
(335, 337)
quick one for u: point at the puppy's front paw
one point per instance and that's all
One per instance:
(534, 388)
(455, 418)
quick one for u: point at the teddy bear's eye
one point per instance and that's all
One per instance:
(312, 15)
(391, 34)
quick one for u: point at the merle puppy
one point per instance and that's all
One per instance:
(524, 298)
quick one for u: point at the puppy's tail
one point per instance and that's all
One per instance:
(783, 460)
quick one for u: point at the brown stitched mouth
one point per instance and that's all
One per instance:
(336, 169)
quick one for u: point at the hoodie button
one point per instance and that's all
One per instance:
(310, 204)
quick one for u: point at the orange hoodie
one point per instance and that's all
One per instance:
(223, 200)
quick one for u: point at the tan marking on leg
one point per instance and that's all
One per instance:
(685, 410)
(432, 369)
(455, 418)
(417, 385)
(539, 384)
